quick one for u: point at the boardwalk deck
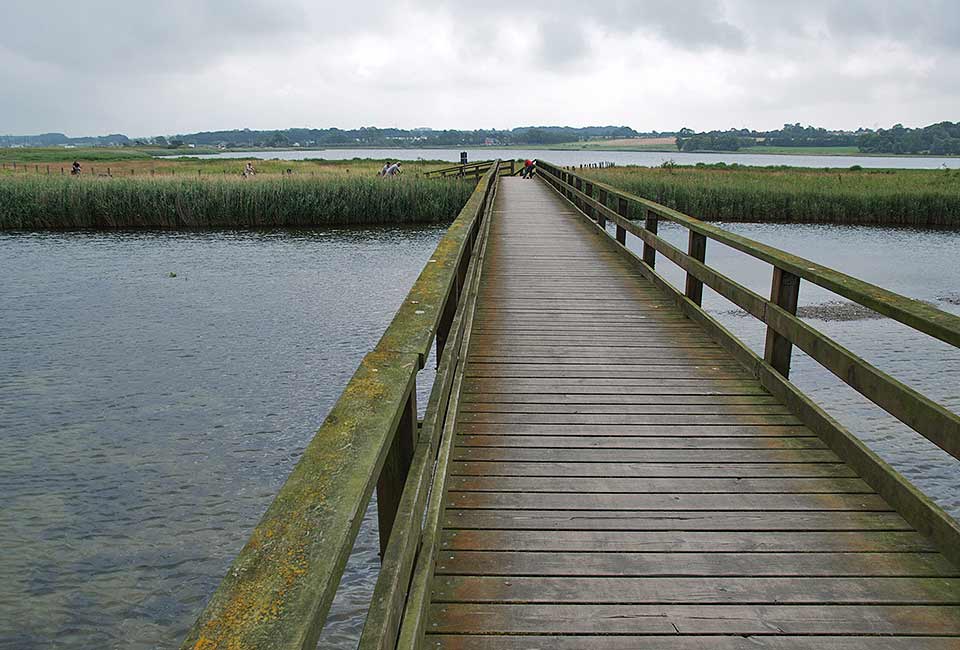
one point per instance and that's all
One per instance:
(619, 481)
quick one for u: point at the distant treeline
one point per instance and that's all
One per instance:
(938, 139)
(362, 137)
(376, 137)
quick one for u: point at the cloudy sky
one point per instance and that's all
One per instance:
(161, 67)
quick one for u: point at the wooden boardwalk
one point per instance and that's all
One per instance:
(619, 481)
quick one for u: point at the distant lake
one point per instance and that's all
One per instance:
(642, 158)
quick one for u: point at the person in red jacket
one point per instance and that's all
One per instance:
(527, 169)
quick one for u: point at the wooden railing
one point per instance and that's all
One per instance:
(476, 169)
(279, 589)
(602, 203)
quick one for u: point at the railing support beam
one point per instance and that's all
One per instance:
(601, 218)
(395, 468)
(587, 208)
(697, 249)
(785, 293)
(649, 252)
(622, 210)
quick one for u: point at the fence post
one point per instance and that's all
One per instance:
(697, 249)
(601, 217)
(395, 468)
(622, 210)
(649, 252)
(587, 208)
(785, 293)
(578, 183)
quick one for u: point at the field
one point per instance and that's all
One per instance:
(789, 194)
(171, 194)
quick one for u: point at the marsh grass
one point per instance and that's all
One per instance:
(924, 198)
(38, 202)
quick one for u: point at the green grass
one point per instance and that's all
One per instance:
(790, 194)
(39, 202)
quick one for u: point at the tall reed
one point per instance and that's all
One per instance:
(894, 197)
(39, 202)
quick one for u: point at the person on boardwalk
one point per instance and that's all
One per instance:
(394, 169)
(383, 170)
(75, 169)
(528, 169)
(249, 171)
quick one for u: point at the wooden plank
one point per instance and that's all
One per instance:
(514, 563)
(665, 420)
(640, 442)
(695, 469)
(682, 501)
(672, 520)
(626, 409)
(864, 620)
(505, 454)
(892, 591)
(548, 541)
(658, 485)
(662, 397)
(700, 642)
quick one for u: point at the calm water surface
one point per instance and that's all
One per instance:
(642, 158)
(147, 421)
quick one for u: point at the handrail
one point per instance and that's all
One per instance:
(784, 328)
(508, 168)
(279, 589)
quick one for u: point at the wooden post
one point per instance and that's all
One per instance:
(446, 318)
(785, 292)
(697, 249)
(395, 468)
(622, 210)
(601, 217)
(649, 252)
(589, 209)
(578, 183)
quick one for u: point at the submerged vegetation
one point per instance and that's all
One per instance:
(733, 193)
(37, 202)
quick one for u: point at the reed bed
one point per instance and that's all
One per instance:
(920, 198)
(32, 202)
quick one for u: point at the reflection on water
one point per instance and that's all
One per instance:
(921, 264)
(146, 421)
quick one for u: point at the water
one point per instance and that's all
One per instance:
(146, 421)
(642, 158)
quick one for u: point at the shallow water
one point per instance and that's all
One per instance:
(642, 158)
(146, 421)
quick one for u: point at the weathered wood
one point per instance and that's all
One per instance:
(623, 211)
(809, 591)
(871, 620)
(523, 563)
(589, 541)
(785, 293)
(393, 475)
(700, 642)
(651, 226)
(697, 249)
(672, 485)
(627, 520)
(693, 469)
(683, 501)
